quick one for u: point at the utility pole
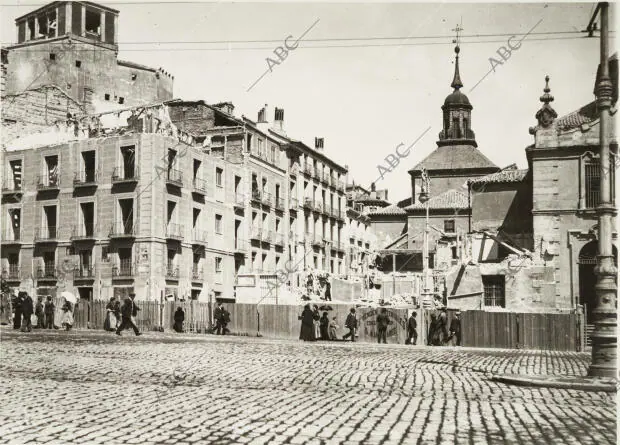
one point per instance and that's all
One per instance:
(604, 337)
(424, 198)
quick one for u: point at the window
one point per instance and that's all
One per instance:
(218, 176)
(218, 224)
(78, 63)
(448, 226)
(52, 56)
(273, 154)
(93, 23)
(134, 76)
(106, 96)
(259, 143)
(494, 290)
(121, 100)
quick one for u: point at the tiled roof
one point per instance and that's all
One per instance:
(390, 210)
(576, 119)
(455, 157)
(505, 176)
(452, 199)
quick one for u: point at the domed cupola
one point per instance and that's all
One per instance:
(457, 113)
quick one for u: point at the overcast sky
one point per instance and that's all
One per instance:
(366, 100)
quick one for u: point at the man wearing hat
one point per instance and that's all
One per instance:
(129, 309)
(455, 327)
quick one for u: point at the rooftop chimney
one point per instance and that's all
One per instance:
(262, 115)
(278, 120)
(318, 144)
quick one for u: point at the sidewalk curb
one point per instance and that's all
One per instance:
(557, 382)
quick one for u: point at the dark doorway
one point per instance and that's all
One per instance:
(587, 277)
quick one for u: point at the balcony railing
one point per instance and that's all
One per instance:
(83, 231)
(123, 269)
(172, 271)
(9, 187)
(197, 272)
(327, 209)
(267, 236)
(317, 240)
(48, 233)
(84, 273)
(200, 186)
(174, 231)
(279, 203)
(340, 185)
(11, 272)
(174, 177)
(278, 239)
(266, 199)
(85, 178)
(240, 200)
(293, 203)
(48, 271)
(256, 233)
(318, 206)
(123, 230)
(256, 196)
(326, 178)
(241, 245)
(308, 203)
(199, 236)
(48, 182)
(121, 175)
(332, 181)
(308, 169)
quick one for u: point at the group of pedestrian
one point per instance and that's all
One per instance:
(439, 333)
(44, 313)
(316, 326)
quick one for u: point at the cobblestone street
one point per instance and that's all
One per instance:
(93, 387)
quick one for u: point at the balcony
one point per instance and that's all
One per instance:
(340, 186)
(256, 233)
(332, 181)
(174, 232)
(266, 199)
(123, 230)
(308, 203)
(174, 177)
(308, 169)
(267, 236)
(84, 273)
(11, 272)
(241, 246)
(278, 239)
(256, 196)
(83, 232)
(200, 186)
(279, 203)
(48, 182)
(317, 240)
(11, 187)
(13, 236)
(327, 209)
(122, 175)
(197, 274)
(46, 234)
(47, 272)
(239, 202)
(85, 178)
(199, 237)
(293, 204)
(326, 178)
(123, 269)
(172, 272)
(318, 206)
(294, 170)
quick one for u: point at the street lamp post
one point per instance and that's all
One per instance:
(424, 198)
(604, 337)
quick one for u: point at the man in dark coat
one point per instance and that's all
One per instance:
(40, 313)
(382, 324)
(179, 318)
(129, 309)
(455, 328)
(328, 292)
(351, 324)
(17, 304)
(49, 309)
(307, 324)
(412, 329)
(442, 325)
(218, 316)
(27, 310)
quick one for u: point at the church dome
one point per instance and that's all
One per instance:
(456, 98)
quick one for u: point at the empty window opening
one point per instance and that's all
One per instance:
(31, 27)
(218, 223)
(52, 56)
(15, 218)
(170, 217)
(129, 161)
(195, 218)
(88, 161)
(218, 264)
(124, 261)
(125, 207)
(171, 261)
(197, 164)
(16, 174)
(237, 185)
(88, 218)
(93, 23)
(49, 222)
(121, 100)
(78, 63)
(219, 173)
(106, 96)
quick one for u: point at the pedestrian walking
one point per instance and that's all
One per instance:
(67, 316)
(328, 292)
(316, 322)
(49, 309)
(179, 318)
(324, 322)
(40, 313)
(111, 321)
(130, 309)
(17, 305)
(382, 324)
(442, 323)
(218, 315)
(307, 324)
(412, 329)
(455, 328)
(333, 329)
(27, 310)
(432, 330)
(351, 325)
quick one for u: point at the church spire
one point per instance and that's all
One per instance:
(456, 82)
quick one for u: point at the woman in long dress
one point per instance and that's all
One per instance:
(67, 316)
(307, 324)
(110, 319)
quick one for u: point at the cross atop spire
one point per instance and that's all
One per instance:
(458, 30)
(456, 82)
